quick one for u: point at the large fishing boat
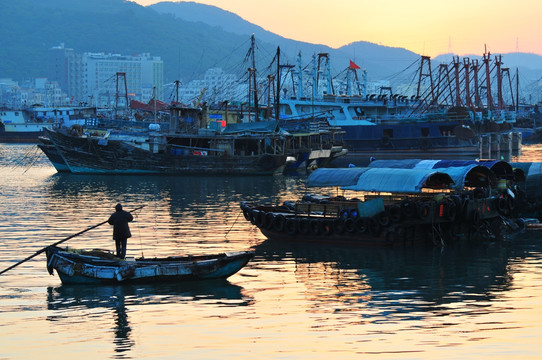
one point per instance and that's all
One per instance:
(186, 148)
(442, 120)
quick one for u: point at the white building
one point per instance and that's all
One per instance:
(104, 77)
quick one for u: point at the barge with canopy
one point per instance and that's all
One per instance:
(394, 206)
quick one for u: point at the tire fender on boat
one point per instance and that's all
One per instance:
(268, 220)
(409, 208)
(338, 225)
(247, 214)
(303, 226)
(349, 225)
(326, 226)
(383, 218)
(291, 226)
(279, 222)
(424, 210)
(374, 226)
(361, 225)
(396, 215)
(314, 225)
(256, 218)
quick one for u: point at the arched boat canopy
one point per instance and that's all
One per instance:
(327, 177)
(381, 179)
(501, 169)
(532, 172)
(470, 176)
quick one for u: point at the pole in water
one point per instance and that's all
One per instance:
(60, 242)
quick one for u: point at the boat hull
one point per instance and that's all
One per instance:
(54, 157)
(79, 267)
(409, 222)
(22, 136)
(93, 156)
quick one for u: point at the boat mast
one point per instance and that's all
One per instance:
(252, 71)
(488, 82)
(177, 82)
(457, 84)
(299, 77)
(314, 77)
(517, 90)
(277, 94)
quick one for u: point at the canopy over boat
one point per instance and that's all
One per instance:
(501, 169)
(465, 173)
(532, 177)
(381, 179)
(252, 127)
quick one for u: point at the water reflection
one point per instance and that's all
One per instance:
(398, 283)
(122, 299)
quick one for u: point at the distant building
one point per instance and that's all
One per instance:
(65, 68)
(104, 76)
(92, 77)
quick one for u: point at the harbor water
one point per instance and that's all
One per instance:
(292, 301)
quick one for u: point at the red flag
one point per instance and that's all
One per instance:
(353, 66)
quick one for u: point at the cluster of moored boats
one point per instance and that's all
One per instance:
(407, 202)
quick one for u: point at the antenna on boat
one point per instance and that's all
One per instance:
(252, 79)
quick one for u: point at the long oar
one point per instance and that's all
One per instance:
(59, 242)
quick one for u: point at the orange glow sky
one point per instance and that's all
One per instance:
(425, 27)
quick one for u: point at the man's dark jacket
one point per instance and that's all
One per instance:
(120, 220)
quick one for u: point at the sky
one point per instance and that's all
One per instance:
(426, 27)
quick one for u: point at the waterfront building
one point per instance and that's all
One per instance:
(141, 73)
(93, 78)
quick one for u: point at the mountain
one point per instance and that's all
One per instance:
(380, 61)
(189, 37)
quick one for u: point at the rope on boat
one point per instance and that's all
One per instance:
(237, 218)
(139, 234)
(26, 160)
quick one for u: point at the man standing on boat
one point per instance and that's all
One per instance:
(121, 231)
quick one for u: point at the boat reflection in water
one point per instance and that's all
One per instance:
(396, 283)
(123, 299)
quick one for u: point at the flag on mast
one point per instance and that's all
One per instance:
(353, 65)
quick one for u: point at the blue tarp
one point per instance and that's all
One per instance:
(463, 172)
(325, 177)
(380, 179)
(533, 178)
(252, 127)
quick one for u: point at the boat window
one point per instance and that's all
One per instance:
(388, 133)
(424, 131)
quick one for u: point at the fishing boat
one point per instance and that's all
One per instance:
(101, 267)
(187, 147)
(394, 206)
(383, 123)
(49, 149)
(27, 124)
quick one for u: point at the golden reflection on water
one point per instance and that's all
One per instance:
(292, 301)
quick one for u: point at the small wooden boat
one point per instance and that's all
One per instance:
(101, 267)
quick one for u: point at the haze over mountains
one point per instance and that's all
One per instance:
(189, 37)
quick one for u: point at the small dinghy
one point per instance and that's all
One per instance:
(101, 267)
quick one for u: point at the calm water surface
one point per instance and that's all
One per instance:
(291, 302)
